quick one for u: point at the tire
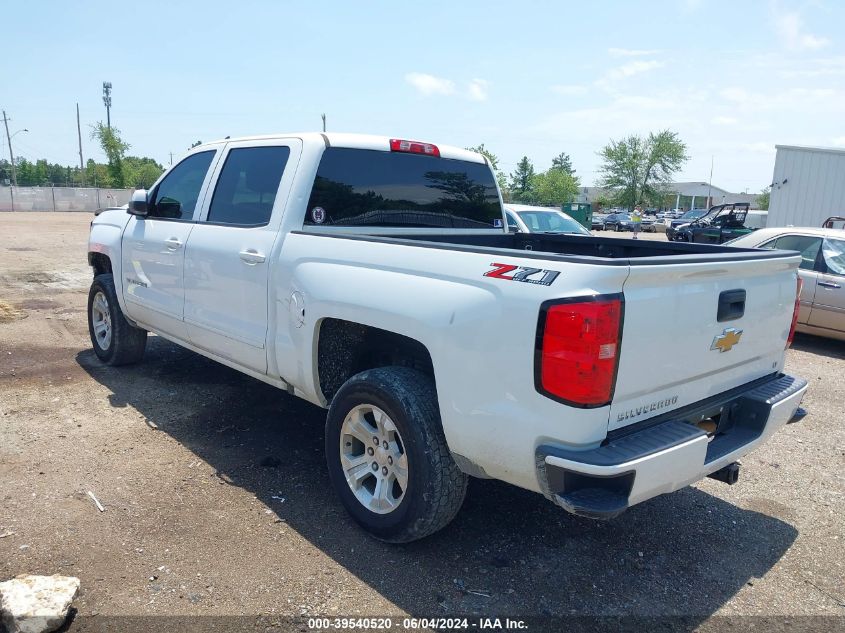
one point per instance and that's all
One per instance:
(115, 340)
(618, 229)
(434, 486)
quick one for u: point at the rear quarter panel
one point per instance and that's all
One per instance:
(480, 332)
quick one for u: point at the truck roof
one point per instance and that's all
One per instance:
(356, 141)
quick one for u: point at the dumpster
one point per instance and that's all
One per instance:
(582, 212)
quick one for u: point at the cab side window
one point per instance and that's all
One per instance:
(807, 245)
(176, 196)
(247, 186)
(512, 225)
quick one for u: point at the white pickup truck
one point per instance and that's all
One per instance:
(375, 277)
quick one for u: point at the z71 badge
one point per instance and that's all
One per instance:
(524, 274)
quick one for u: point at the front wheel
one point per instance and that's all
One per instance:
(387, 456)
(115, 340)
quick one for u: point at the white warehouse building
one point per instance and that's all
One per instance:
(808, 186)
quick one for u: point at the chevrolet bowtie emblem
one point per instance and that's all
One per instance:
(726, 340)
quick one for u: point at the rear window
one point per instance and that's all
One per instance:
(553, 221)
(357, 187)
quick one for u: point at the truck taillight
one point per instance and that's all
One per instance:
(577, 349)
(413, 147)
(795, 313)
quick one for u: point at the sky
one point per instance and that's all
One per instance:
(524, 78)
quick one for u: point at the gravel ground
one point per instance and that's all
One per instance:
(217, 500)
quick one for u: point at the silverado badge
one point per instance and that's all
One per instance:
(726, 340)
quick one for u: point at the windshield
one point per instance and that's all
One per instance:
(551, 221)
(692, 215)
(356, 187)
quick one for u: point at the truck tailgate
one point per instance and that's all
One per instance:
(675, 351)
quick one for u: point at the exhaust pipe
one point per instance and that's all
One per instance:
(729, 474)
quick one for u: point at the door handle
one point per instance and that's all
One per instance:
(173, 243)
(252, 256)
(828, 284)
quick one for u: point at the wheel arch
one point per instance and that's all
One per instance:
(100, 263)
(345, 348)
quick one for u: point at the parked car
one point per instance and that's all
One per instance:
(672, 223)
(597, 221)
(670, 213)
(524, 218)
(720, 224)
(624, 222)
(822, 270)
(352, 271)
(618, 222)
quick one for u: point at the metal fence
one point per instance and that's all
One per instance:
(61, 198)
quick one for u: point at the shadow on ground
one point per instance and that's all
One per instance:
(819, 345)
(685, 554)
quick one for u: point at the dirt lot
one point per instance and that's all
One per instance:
(225, 508)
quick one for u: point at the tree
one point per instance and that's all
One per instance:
(554, 188)
(637, 170)
(114, 148)
(522, 180)
(96, 174)
(602, 201)
(198, 143)
(140, 173)
(563, 162)
(763, 198)
(494, 164)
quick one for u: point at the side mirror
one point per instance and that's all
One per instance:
(138, 203)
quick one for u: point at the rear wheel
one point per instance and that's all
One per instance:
(115, 340)
(387, 456)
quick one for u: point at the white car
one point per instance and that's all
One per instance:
(822, 270)
(523, 218)
(376, 278)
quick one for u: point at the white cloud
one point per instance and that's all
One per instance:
(789, 26)
(739, 96)
(758, 147)
(820, 67)
(794, 100)
(839, 141)
(632, 68)
(723, 120)
(430, 85)
(630, 52)
(477, 89)
(569, 89)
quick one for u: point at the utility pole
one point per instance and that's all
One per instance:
(79, 135)
(11, 155)
(12, 158)
(107, 101)
(324, 121)
(171, 158)
(710, 184)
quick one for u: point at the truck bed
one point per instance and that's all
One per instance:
(562, 247)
